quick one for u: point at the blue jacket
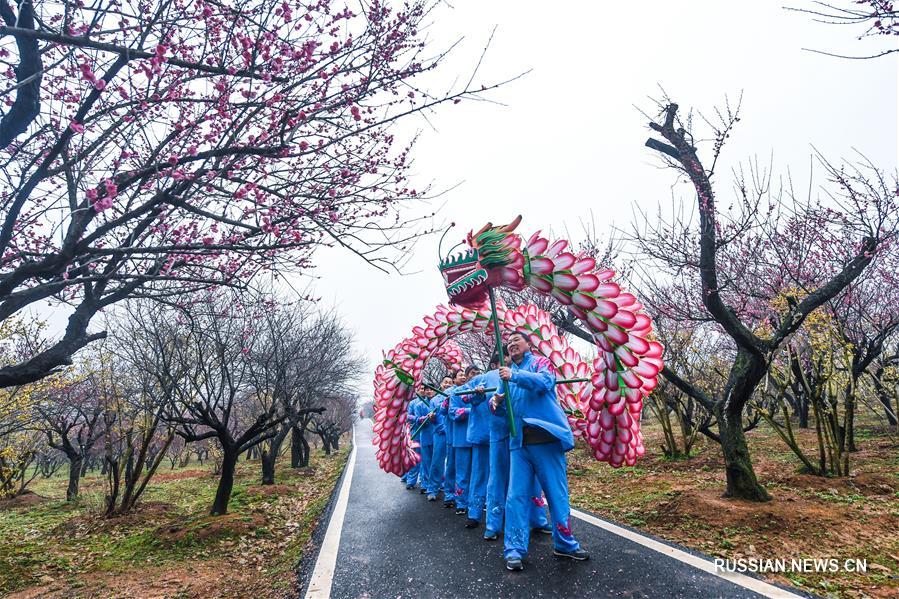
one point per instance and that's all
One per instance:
(499, 424)
(460, 421)
(420, 408)
(439, 415)
(444, 412)
(480, 418)
(534, 401)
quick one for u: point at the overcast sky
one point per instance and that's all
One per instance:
(569, 140)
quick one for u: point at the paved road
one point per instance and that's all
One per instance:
(396, 544)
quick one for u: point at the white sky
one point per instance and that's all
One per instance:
(570, 139)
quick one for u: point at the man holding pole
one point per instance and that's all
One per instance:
(538, 450)
(478, 434)
(411, 476)
(449, 475)
(425, 420)
(438, 447)
(458, 413)
(498, 477)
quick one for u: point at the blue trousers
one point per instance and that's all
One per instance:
(411, 476)
(498, 485)
(477, 492)
(424, 467)
(438, 465)
(463, 475)
(449, 478)
(546, 463)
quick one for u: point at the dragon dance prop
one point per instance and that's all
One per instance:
(605, 410)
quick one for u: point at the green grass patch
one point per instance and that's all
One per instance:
(52, 541)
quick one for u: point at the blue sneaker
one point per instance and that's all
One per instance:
(490, 535)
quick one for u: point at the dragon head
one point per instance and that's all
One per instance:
(493, 258)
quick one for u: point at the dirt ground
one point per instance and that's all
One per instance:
(808, 517)
(168, 547)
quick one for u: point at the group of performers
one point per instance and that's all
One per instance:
(484, 472)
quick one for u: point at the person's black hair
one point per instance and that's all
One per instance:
(455, 372)
(470, 369)
(494, 359)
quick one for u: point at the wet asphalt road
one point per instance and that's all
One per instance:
(396, 544)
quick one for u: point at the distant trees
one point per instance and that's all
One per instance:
(724, 270)
(72, 416)
(336, 419)
(235, 370)
(211, 350)
(217, 376)
(303, 360)
(137, 386)
(22, 443)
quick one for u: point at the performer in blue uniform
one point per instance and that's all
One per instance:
(538, 450)
(458, 414)
(425, 437)
(438, 456)
(498, 476)
(478, 434)
(449, 474)
(411, 476)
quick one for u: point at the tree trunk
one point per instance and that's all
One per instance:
(887, 408)
(305, 452)
(271, 449)
(884, 398)
(802, 411)
(226, 483)
(296, 448)
(75, 465)
(113, 484)
(129, 462)
(747, 371)
(326, 443)
(741, 479)
(299, 448)
(850, 419)
(268, 466)
(335, 442)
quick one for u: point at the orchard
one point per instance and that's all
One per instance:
(224, 336)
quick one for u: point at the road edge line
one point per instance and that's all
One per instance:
(747, 582)
(322, 576)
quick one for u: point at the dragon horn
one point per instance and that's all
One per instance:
(484, 228)
(511, 226)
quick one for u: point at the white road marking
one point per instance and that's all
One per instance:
(323, 573)
(747, 582)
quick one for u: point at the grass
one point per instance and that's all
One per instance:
(171, 547)
(170, 544)
(809, 517)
